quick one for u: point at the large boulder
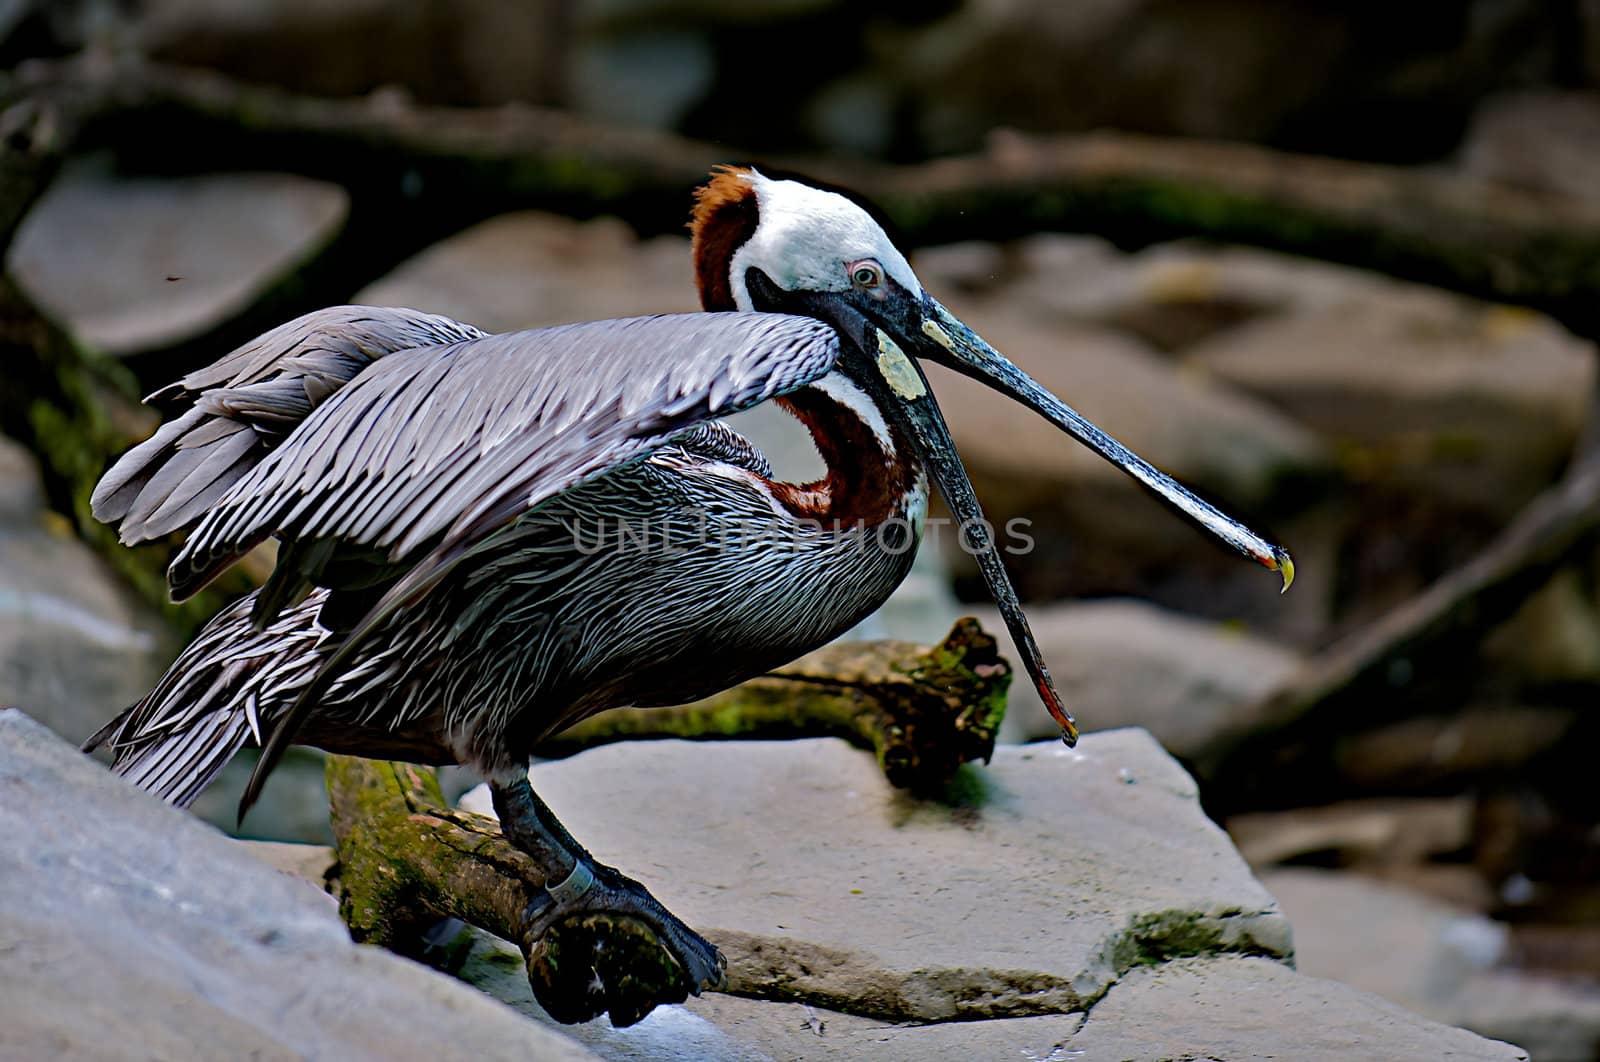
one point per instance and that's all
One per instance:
(1031, 888)
(531, 269)
(447, 51)
(1118, 663)
(130, 930)
(1340, 79)
(1055, 903)
(76, 646)
(1473, 404)
(1539, 139)
(130, 264)
(1451, 965)
(1224, 1007)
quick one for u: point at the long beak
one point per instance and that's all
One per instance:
(956, 346)
(913, 406)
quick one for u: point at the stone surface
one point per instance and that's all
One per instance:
(1247, 1008)
(1126, 663)
(1541, 139)
(1032, 888)
(1222, 1007)
(1555, 636)
(132, 931)
(1175, 294)
(1183, 423)
(530, 269)
(1384, 831)
(131, 264)
(1226, 1008)
(75, 646)
(1468, 402)
(1434, 959)
(448, 51)
(1332, 79)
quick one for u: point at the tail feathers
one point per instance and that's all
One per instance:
(178, 765)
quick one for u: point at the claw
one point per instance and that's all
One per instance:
(604, 944)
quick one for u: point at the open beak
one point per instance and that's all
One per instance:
(934, 333)
(954, 345)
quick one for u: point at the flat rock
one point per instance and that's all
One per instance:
(75, 646)
(1230, 1008)
(531, 269)
(1471, 403)
(1123, 663)
(1183, 423)
(132, 264)
(1175, 294)
(1241, 1008)
(131, 930)
(1433, 958)
(1036, 884)
(1539, 139)
(1378, 831)
(1170, 295)
(1090, 528)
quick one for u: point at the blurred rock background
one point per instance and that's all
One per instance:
(1440, 846)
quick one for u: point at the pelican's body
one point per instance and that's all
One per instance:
(483, 539)
(656, 584)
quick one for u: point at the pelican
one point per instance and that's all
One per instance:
(484, 539)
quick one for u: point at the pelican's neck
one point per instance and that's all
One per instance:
(873, 475)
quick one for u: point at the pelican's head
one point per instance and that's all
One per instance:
(785, 246)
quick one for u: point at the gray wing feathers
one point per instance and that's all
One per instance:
(244, 404)
(447, 443)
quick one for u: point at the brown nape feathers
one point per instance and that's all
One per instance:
(725, 215)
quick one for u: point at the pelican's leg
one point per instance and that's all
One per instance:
(577, 884)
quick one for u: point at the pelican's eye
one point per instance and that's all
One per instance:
(866, 274)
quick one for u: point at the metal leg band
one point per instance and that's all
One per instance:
(577, 883)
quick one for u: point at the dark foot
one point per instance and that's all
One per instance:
(600, 942)
(633, 942)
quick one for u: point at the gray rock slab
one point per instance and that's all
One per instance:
(131, 264)
(1232, 1009)
(1475, 403)
(1435, 959)
(1184, 423)
(1033, 887)
(132, 931)
(1225, 1008)
(1379, 830)
(1175, 294)
(1540, 139)
(1123, 663)
(530, 269)
(75, 645)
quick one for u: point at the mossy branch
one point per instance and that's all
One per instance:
(922, 711)
(407, 860)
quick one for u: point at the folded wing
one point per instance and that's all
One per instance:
(242, 406)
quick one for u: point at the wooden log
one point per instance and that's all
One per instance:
(923, 712)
